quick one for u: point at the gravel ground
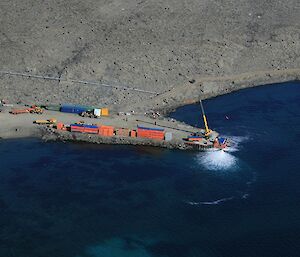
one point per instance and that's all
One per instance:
(13, 126)
(184, 50)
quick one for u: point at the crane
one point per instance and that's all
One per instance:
(207, 130)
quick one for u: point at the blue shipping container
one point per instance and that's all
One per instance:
(145, 128)
(84, 125)
(72, 109)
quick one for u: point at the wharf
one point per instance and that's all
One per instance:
(179, 131)
(15, 126)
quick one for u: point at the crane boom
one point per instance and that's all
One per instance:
(207, 130)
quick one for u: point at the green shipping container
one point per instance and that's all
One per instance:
(91, 108)
(53, 107)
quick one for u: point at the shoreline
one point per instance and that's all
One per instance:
(21, 126)
(63, 136)
(210, 87)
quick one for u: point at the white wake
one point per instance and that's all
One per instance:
(235, 143)
(215, 202)
(222, 160)
(217, 160)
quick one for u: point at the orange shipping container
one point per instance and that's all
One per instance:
(104, 112)
(133, 133)
(91, 130)
(106, 131)
(152, 134)
(194, 138)
(106, 127)
(59, 125)
(122, 132)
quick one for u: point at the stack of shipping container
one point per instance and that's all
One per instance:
(109, 131)
(152, 133)
(84, 128)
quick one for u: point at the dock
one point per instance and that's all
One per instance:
(129, 129)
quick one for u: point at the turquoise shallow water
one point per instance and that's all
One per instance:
(78, 200)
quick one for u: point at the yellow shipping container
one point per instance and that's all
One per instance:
(104, 112)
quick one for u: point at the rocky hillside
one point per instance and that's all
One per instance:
(157, 45)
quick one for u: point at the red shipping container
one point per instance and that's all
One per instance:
(133, 133)
(107, 131)
(59, 125)
(84, 129)
(91, 130)
(152, 134)
(77, 129)
(123, 132)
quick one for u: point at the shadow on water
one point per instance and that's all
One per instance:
(78, 200)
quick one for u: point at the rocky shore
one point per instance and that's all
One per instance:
(49, 134)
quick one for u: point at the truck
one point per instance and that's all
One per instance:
(46, 122)
(32, 109)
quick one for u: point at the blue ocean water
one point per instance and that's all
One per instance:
(80, 200)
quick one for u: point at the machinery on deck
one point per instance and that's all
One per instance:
(32, 109)
(207, 130)
(46, 122)
(207, 139)
(89, 114)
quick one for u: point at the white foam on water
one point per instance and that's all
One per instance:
(245, 196)
(217, 160)
(215, 202)
(235, 143)
(222, 160)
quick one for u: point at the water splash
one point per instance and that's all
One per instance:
(235, 143)
(217, 160)
(223, 159)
